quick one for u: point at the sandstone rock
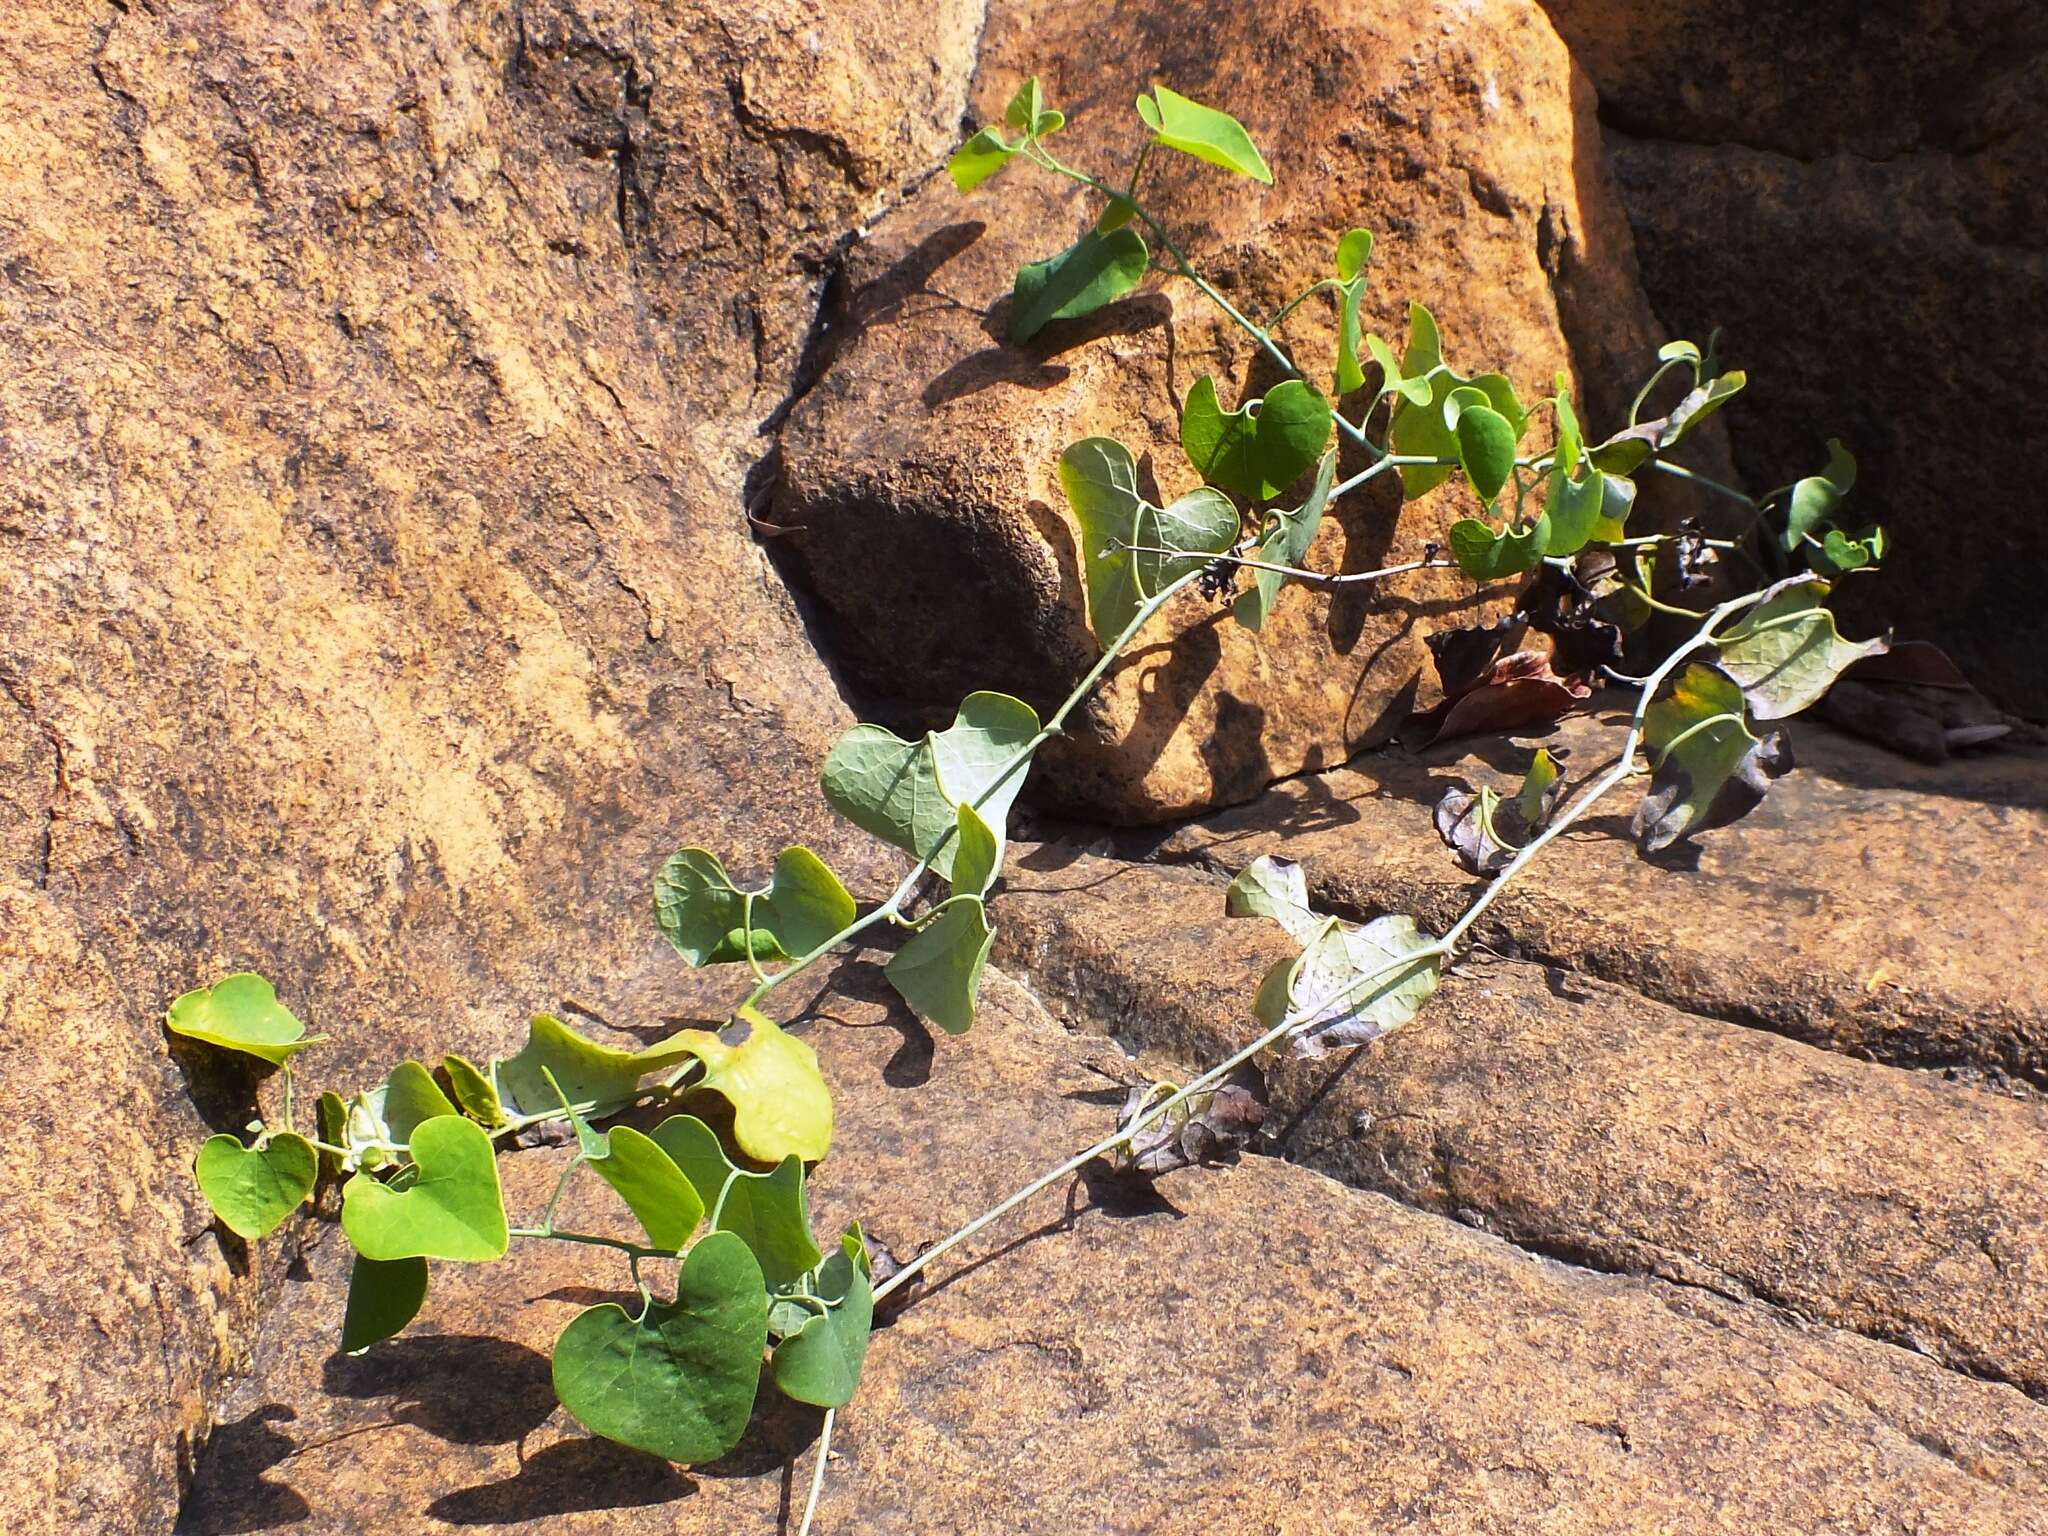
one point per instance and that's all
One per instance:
(920, 469)
(1869, 905)
(1282, 1354)
(376, 603)
(1879, 166)
(1584, 1121)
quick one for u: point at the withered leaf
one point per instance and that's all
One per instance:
(1485, 831)
(1204, 1128)
(1516, 691)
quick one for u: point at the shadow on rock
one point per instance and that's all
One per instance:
(232, 1495)
(465, 1388)
(569, 1477)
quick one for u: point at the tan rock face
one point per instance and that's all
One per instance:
(920, 469)
(1857, 194)
(376, 608)
(1280, 1354)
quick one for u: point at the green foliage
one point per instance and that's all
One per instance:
(253, 1189)
(1095, 270)
(1427, 428)
(1487, 555)
(766, 1211)
(679, 1379)
(1710, 768)
(1286, 541)
(1354, 250)
(1257, 452)
(240, 1013)
(819, 1361)
(939, 971)
(780, 1105)
(978, 159)
(711, 921)
(1100, 479)
(1786, 652)
(909, 793)
(1207, 134)
(447, 1205)
(383, 1296)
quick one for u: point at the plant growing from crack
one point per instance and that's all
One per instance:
(740, 1116)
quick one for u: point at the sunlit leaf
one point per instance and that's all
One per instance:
(1354, 250)
(1025, 107)
(907, 792)
(412, 1097)
(1710, 770)
(240, 1013)
(1100, 479)
(474, 1092)
(678, 1381)
(1287, 542)
(1575, 509)
(1489, 555)
(1116, 213)
(820, 1363)
(978, 858)
(383, 1296)
(1786, 652)
(1328, 978)
(1095, 270)
(1423, 428)
(590, 1073)
(938, 971)
(655, 1190)
(1203, 132)
(1275, 888)
(1814, 500)
(1256, 454)
(253, 1189)
(705, 916)
(780, 1104)
(1486, 449)
(451, 1209)
(978, 159)
(766, 1211)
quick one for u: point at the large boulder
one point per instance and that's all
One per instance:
(1857, 193)
(918, 478)
(376, 602)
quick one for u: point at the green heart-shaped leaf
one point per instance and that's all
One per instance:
(382, 1299)
(600, 1078)
(1425, 428)
(250, 1189)
(1575, 509)
(474, 1091)
(1100, 479)
(240, 1013)
(450, 1207)
(706, 917)
(1258, 454)
(1207, 134)
(978, 159)
(908, 792)
(1486, 555)
(410, 1098)
(1095, 270)
(766, 1211)
(1786, 652)
(938, 972)
(780, 1104)
(1814, 500)
(653, 1187)
(820, 1362)
(1025, 107)
(680, 1380)
(978, 856)
(1486, 449)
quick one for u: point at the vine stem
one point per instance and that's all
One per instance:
(892, 909)
(1443, 950)
(1297, 573)
(818, 1473)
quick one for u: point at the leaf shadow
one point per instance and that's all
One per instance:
(232, 1496)
(433, 1377)
(1029, 365)
(566, 1478)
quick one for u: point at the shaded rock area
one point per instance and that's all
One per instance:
(920, 470)
(1889, 160)
(389, 392)
(1285, 1354)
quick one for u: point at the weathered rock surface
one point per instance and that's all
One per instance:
(375, 604)
(921, 468)
(1872, 904)
(1586, 1121)
(1282, 1354)
(1857, 193)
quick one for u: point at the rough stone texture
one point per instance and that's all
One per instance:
(1585, 1121)
(1856, 192)
(376, 606)
(920, 469)
(1872, 904)
(1283, 1355)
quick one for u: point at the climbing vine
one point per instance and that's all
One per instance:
(741, 1115)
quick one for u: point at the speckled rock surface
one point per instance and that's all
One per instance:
(375, 603)
(921, 468)
(1894, 896)
(1282, 1355)
(1589, 1122)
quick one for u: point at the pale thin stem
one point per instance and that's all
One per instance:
(547, 1220)
(1665, 466)
(818, 1474)
(1297, 573)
